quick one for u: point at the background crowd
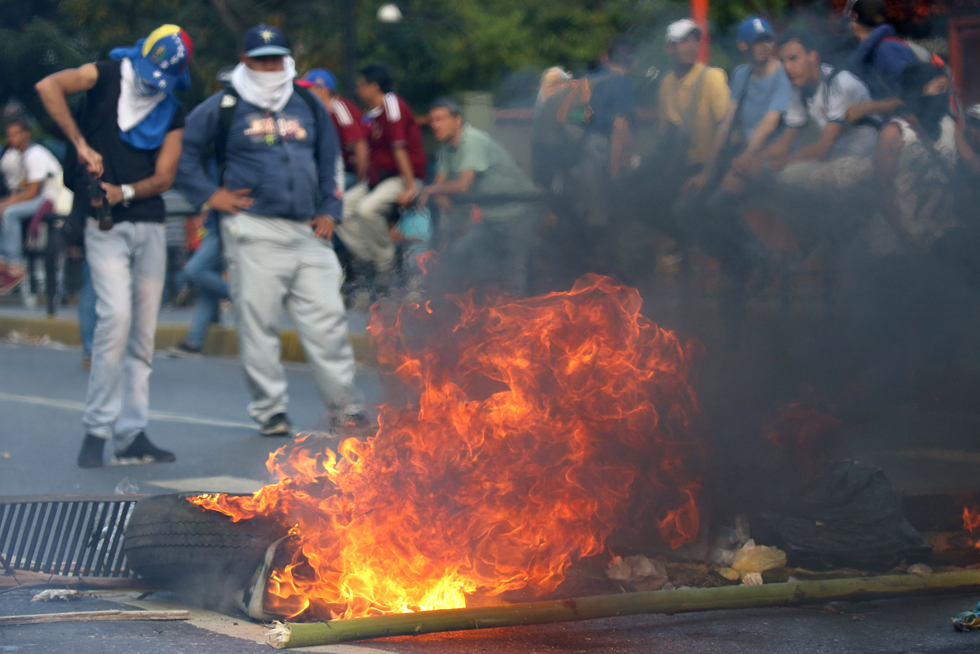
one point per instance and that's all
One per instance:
(858, 148)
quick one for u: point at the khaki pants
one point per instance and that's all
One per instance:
(365, 227)
(278, 264)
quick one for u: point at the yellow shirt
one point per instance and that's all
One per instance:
(712, 105)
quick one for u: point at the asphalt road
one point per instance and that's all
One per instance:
(909, 626)
(198, 412)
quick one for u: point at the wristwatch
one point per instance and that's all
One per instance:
(128, 193)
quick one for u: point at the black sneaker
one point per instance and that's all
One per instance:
(277, 426)
(141, 451)
(183, 350)
(90, 455)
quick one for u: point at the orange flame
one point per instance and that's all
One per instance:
(424, 260)
(971, 519)
(536, 427)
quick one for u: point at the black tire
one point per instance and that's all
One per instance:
(181, 546)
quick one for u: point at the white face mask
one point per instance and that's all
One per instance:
(269, 81)
(267, 90)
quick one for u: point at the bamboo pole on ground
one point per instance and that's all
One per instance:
(603, 606)
(91, 616)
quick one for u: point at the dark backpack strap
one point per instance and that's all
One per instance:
(226, 112)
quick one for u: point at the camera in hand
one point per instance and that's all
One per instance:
(100, 207)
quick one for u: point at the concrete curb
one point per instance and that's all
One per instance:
(221, 341)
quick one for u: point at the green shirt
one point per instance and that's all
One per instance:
(495, 172)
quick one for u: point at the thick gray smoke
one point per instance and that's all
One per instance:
(863, 329)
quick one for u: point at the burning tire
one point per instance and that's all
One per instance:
(181, 546)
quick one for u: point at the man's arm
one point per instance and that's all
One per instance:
(407, 174)
(816, 151)
(766, 127)
(864, 109)
(441, 186)
(328, 150)
(442, 199)
(696, 183)
(29, 192)
(620, 143)
(362, 159)
(163, 174)
(753, 166)
(53, 90)
(201, 128)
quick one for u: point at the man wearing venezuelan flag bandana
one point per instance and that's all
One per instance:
(129, 137)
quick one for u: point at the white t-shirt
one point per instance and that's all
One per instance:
(40, 165)
(828, 104)
(12, 168)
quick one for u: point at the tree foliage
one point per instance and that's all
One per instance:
(439, 47)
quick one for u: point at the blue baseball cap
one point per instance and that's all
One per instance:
(265, 40)
(166, 54)
(754, 28)
(319, 77)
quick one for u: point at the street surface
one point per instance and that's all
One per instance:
(199, 412)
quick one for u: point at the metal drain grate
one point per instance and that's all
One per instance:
(72, 535)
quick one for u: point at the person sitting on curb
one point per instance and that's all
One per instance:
(38, 168)
(494, 251)
(397, 165)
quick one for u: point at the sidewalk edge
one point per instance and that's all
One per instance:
(221, 341)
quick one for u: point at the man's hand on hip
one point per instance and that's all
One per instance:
(232, 202)
(323, 227)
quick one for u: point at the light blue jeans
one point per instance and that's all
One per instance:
(128, 264)
(203, 270)
(13, 216)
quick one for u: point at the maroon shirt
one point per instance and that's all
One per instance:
(389, 126)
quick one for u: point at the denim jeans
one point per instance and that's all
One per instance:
(13, 216)
(203, 270)
(86, 310)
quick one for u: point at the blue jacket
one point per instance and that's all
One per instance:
(288, 164)
(879, 63)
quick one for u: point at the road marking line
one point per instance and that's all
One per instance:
(163, 416)
(219, 484)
